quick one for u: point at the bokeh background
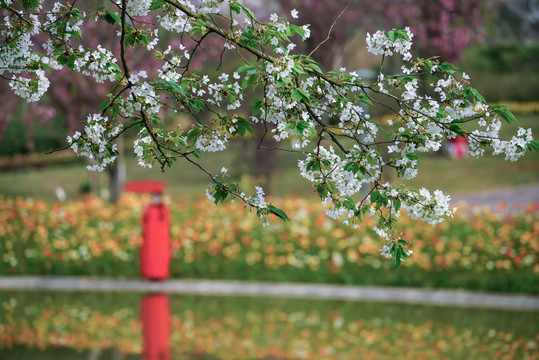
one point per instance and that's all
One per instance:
(495, 42)
(59, 220)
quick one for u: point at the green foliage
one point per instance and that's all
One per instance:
(502, 58)
(18, 138)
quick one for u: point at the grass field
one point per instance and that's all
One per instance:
(436, 171)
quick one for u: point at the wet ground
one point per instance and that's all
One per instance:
(285, 290)
(505, 200)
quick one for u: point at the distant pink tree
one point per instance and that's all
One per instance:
(441, 27)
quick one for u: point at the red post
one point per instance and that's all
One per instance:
(155, 251)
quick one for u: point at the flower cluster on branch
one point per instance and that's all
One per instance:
(321, 115)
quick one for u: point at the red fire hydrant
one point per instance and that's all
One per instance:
(155, 251)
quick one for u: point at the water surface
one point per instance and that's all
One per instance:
(114, 326)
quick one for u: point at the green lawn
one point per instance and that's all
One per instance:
(184, 179)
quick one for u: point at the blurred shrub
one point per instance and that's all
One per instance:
(21, 138)
(504, 72)
(497, 59)
(36, 160)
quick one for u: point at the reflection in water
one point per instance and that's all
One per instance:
(155, 317)
(106, 326)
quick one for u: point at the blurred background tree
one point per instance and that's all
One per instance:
(494, 41)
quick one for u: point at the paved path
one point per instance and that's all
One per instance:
(340, 292)
(514, 198)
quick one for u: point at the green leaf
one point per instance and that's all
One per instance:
(364, 99)
(353, 167)
(244, 125)
(349, 203)
(533, 145)
(504, 112)
(315, 68)
(221, 193)
(297, 95)
(243, 68)
(375, 196)
(112, 17)
(30, 4)
(174, 88)
(298, 69)
(294, 29)
(197, 153)
(331, 186)
(322, 190)
(250, 80)
(257, 105)
(447, 68)
(397, 261)
(235, 7)
(104, 105)
(300, 94)
(392, 35)
(301, 126)
(156, 4)
(458, 128)
(279, 213)
(396, 204)
(192, 135)
(248, 43)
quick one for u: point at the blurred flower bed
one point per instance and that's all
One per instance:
(261, 328)
(479, 251)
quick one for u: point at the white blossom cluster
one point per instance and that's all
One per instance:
(100, 64)
(30, 89)
(428, 208)
(258, 200)
(16, 56)
(300, 104)
(212, 142)
(95, 140)
(209, 7)
(217, 92)
(146, 97)
(512, 149)
(168, 71)
(347, 183)
(141, 148)
(176, 20)
(138, 7)
(380, 44)
(384, 251)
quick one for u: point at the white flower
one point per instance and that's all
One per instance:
(384, 251)
(30, 89)
(380, 43)
(307, 32)
(294, 13)
(138, 7)
(209, 195)
(274, 17)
